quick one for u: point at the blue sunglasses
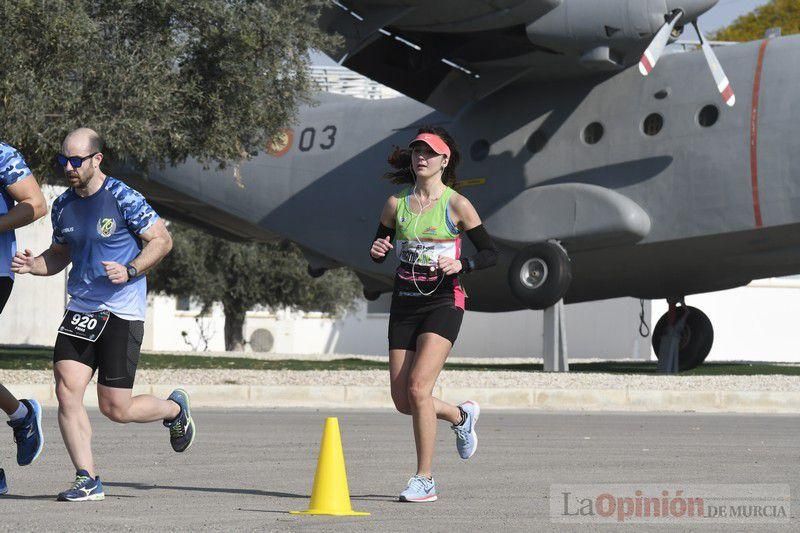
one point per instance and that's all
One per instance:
(75, 161)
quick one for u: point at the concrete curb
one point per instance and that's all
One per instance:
(346, 396)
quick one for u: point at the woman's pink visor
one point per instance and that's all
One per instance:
(434, 141)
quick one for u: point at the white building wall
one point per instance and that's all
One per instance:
(754, 323)
(342, 80)
(607, 329)
(595, 330)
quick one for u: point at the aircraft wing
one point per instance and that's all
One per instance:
(449, 53)
(445, 53)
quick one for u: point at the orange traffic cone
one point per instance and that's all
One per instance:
(330, 495)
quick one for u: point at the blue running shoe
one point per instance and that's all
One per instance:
(3, 484)
(466, 438)
(28, 433)
(181, 430)
(84, 489)
(419, 490)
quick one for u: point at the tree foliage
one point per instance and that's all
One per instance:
(784, 14)
(160, 80)
(243, 275)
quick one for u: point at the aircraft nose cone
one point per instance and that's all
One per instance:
(691, 8)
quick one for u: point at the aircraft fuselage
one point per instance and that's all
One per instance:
(722, 200)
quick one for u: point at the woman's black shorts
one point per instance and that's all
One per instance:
(115, 353)
(404, 328)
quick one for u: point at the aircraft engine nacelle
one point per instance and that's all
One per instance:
(607, 34)
(580, 214)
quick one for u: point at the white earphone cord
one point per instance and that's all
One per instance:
(416, 236)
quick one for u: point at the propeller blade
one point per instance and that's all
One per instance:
(656, 48)
(723, 85)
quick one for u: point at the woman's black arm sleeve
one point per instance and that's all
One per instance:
(487, 250)
(382, 233)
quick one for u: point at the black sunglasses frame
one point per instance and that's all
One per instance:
(75, 161)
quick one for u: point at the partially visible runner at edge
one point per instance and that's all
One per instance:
(424, 224)
(21, 203)
(112, 237)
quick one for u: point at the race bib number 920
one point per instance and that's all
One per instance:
(86, 326)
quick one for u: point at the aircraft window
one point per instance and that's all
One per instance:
(593, 133)
(537, 141)
(479, 150)
(708, 116)
(653, 124)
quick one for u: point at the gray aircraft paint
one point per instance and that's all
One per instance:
(676, 218)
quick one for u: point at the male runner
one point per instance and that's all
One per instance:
(112, 237)
(17, 184)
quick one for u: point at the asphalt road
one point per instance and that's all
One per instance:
(249, 468)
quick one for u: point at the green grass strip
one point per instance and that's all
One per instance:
(42, 359)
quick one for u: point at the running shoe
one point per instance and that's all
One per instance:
(84, 489)
(28, 433)
(3, 484)
(466, 438)
(181, 429)
(419, 490)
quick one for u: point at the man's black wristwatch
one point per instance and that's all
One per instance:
(132, 272)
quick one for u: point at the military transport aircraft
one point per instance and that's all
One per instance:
(596, 181)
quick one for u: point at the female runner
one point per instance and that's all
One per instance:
(424, 224)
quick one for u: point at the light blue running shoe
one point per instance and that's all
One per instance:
(466, 438)
(419, 490)
(84, 489)
(28, 433)
(3, 484)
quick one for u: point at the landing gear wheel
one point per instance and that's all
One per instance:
(540, 275)
(696, 338)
